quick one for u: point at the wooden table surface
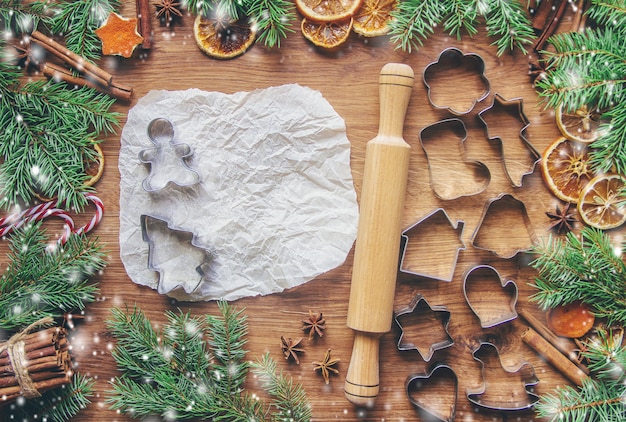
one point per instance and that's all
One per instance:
(348, 79)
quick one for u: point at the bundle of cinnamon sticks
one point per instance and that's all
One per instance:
(32, 363)
(92, 75)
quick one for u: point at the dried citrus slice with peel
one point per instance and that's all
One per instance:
(602, 202)
(328, 10)
(565, 169)
(582, 125)
(373, 17)
(95, 168)
(223, 39)
(326, 34)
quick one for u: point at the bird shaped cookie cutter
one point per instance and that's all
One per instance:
(167, 159)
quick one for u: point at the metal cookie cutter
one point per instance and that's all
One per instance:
(492, 309)
(445, 169)
(437, 406)
(420, 313)
(504, 240)
(505, 122)
(450, 67)
(434, 229)
(166, 258)
(167, 159)
(502, 389)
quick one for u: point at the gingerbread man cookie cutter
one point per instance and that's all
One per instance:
(167, 159)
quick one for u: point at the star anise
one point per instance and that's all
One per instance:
(562, 220)
(326, 366)
(25, 55)
(314, 324)
(290, 348)
(168, 10)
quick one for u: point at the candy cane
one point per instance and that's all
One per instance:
(97, 216)
(40, 214)
(26, 214)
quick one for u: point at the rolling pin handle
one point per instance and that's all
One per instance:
(364, 368)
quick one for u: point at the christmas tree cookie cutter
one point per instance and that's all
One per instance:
(504, 122)
(504, 240)
(441, 80)
(167, 159)
(420, 313)
(172, 252)
(438, 141)
(420, 258)
(424, 392)
(496, 391)
(495, 308)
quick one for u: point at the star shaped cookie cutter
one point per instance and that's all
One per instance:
(167, 159)
(420, 310)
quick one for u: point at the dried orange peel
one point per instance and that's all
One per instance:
(326, 34)
(119, 36)
(372, 19)
(96, 168)
(328, 10)
(223, 40)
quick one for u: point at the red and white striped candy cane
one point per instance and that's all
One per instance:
(38, 213)
(97, 217)
(26, 214)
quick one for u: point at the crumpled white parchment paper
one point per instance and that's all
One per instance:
(275, 205)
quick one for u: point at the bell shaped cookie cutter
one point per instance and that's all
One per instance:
(444, 169)
(508, 242)
(491, 309)
(492, 393)
(453, 65)
(163, 257)
(513, 159)
(437, 407)
(419, 312)
(167, 159)
(429, 230)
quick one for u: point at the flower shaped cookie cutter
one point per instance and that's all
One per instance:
(442, 77)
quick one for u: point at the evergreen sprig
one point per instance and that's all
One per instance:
(24, 17)
(589, 69)
(41, 280)
(585, 268)
(600, 398)
(506, 20)
(76, 22)
(59, 404)
(47, 138)
(192, 368)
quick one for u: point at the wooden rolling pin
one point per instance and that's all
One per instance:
(375, 269)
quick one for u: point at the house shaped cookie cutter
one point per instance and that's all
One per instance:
(421, 226)
(418, 307)
(436, 372)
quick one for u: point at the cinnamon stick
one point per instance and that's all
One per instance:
(60, 73)
(73, 59)
(144, 27)
(10, 394)
(553, 356)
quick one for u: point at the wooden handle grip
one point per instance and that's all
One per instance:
(374, 272)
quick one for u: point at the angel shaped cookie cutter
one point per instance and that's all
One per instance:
(167, 159)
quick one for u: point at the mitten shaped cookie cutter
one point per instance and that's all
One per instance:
(491, 309)
(437, 408)
(505, 207)
(492, 393)
(420, 311)
(445, 170)
(162, 239)
(167, 159)
(429, 230)
(513, 159)
(453, 65)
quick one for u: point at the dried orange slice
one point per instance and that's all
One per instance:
(565, 169)
(96, 168)
(602, 202)
(326, 34)
(582, 125)
(223, 39)
(373, 17)
(328, 10)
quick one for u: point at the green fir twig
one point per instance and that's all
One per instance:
(20, 17)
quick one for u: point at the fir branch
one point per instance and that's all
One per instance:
(76, 21)
(273, 18)
(198, 7)
(59, 405)
(586, 269)
(289, 399)
(16, 16)
(42, 282)
(413, 21)
(462, 16)
(508, 22)
(192, 368)
(608, 13)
